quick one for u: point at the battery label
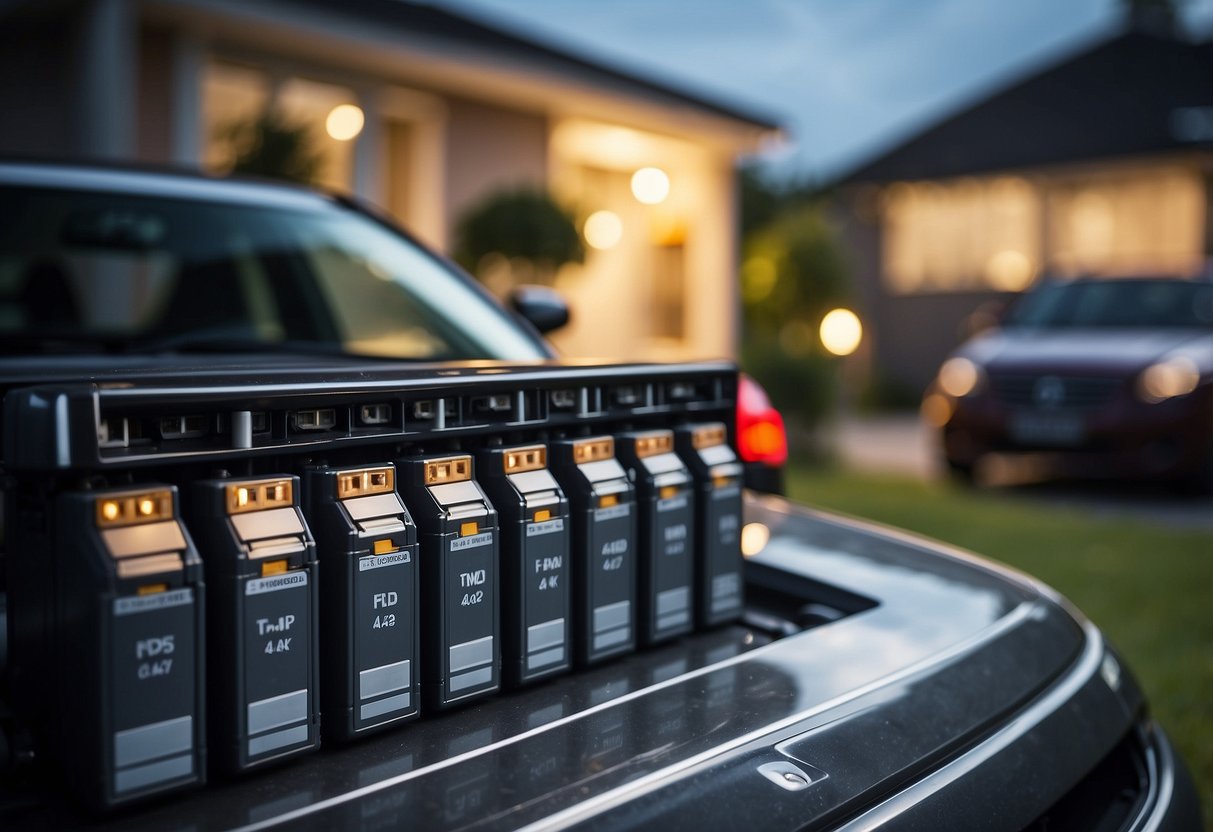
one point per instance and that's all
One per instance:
(384, 589)
(380, 561)
(611, 548)
(471, 542)
(471, 611)
(153, 684)
(724, 553)
(546, 586)
(277, 627)
(258, 586)
(546, 527)
(672, 565)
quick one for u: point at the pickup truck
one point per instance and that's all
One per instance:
(302, 530)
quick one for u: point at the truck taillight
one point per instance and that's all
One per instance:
(760, 432)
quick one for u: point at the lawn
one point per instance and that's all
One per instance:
(1150, 589)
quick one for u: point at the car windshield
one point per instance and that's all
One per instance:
(1147, 303)
(102, 270)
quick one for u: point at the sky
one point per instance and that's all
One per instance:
(847, 78)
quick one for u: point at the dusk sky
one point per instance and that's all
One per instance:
(846, 77)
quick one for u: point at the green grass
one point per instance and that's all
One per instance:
(1150, 589)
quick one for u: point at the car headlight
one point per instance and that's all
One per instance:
(960, 377)
(1166, 379)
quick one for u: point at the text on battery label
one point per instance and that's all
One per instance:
(728, 523)
(546, 527)
(483, 539)
(379, 561)
(548, 564)
(143, 603)
(615, 547)
(262, 585)
(157, 648)
(611, 513)
(678, 532)
(672, 503)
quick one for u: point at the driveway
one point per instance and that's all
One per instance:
(900, 444)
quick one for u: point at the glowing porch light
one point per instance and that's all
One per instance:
(603, 229)
(841, 331)
(344, 122)
(650, 185)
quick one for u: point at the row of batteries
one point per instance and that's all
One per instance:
(508, 566)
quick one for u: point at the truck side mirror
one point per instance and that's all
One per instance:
(542, 306)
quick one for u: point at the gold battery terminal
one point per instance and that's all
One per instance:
(654, 443)
(365, 482)
(259, 496)
(708, 436)
(594, 450)
(131, 509)
(530, 458)
(449, 469)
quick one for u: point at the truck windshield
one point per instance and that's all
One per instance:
(91, 270)
(1117, 303)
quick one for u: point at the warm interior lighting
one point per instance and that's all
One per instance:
(841, 331)
(344, 122)
(603, 229)
(1010, 271)
(650, 185)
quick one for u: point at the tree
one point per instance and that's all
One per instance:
(518, 224)
(273, 146)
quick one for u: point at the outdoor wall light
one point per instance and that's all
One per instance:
(344, 122)
(650, 185)
(603, 229)
(841, 331)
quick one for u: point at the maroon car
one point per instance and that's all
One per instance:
(1092, 377)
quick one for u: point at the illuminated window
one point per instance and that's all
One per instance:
(324, 115)
(970, 234)
(1139, 222)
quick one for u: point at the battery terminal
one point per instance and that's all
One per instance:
(531, 458)
(451, 469)
(708, 436)
(469, 528)
(669, 491)
(259, 496)
(151, 589)
(594, 450)
(130, 509)
(384, 547)
(542, 515)
(652, 444)
(364, 482)
(608, 500)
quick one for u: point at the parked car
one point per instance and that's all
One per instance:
(1107, 377)
(153, 443)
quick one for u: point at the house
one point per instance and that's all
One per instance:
(1101, 163)
(423, 111)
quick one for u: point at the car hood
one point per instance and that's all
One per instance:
(1085, 350)
(937, 652)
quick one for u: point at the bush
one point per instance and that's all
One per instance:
(521, 223)
(792, 273)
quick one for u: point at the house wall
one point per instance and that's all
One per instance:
(490, 148)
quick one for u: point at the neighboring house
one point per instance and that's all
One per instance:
(452, 109)
(1099, 164)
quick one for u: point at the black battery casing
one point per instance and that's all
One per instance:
(666, 534)
(262, 649)
(719, 594)
(117, 676)
(536, 597)
(366, 545)
(603, 547)
(460, 615)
